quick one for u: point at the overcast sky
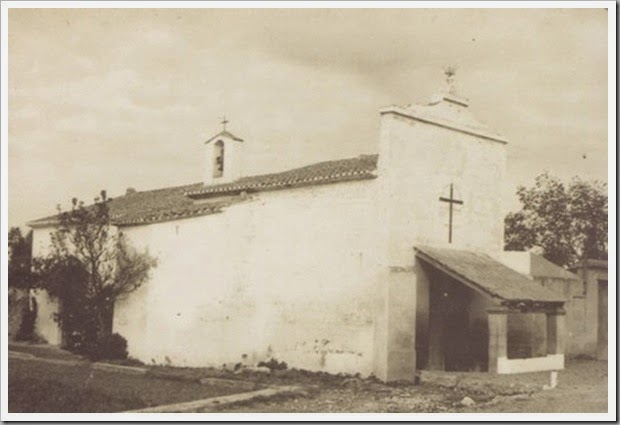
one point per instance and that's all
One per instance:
(117, 98)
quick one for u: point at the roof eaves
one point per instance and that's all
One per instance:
(281, 184)
(42, 223)
(166, 216)
(225, 134)
(441, 265)
(438, 121)
(448, 270)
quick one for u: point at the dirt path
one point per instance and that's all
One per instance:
(582, 388)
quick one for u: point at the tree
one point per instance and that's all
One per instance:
(20, 259)
(565, 224)
(22, 307)
(91, 264)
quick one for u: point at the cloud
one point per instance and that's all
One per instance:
(125, 97)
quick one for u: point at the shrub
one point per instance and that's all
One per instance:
(111, 347)
(273, 364)
(26, 329)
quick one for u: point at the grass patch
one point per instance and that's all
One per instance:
(46, 351)
(50, 396)
(50, 388)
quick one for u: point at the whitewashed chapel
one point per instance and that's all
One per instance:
(379, 264)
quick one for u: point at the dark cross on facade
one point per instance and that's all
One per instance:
(224, 122)
(450, 201)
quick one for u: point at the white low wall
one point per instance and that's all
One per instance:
(536, 364)
(45, 325)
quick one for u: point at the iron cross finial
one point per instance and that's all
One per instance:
(224, 122)
(450, 72)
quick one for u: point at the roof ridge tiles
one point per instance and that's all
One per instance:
(156, 205)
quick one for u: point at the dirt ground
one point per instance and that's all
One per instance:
(582, 388)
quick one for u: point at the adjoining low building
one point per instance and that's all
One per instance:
(475, 313)
(585, 291)
(595, 299)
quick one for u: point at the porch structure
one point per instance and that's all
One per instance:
(474, 313)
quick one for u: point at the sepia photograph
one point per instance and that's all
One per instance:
(292, 210)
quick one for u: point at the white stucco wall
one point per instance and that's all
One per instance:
(417, 163)
(288, 274)
(520, 261)
(534, 364)
(45, 325)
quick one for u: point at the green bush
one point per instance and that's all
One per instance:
(111, 347)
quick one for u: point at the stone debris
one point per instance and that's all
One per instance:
(494, 400)
(378, 388)
(259, 369)
(521, 397)
(467, 401)
(352, 382)
(251, 369)
(441, 379)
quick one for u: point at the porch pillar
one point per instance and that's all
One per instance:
(401, 315)
(498, 336)
(556, 330)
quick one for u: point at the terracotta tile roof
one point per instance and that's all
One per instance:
(362, 167)
(488, 275)
(150, 206)
(179, 202)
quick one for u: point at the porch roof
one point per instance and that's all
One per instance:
(487, 275)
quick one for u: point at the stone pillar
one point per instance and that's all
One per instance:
(401, 315)
(539, 336)
(498, 336)
(556, 331)
(422, 317)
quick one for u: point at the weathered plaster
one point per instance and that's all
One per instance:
(289, 275)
